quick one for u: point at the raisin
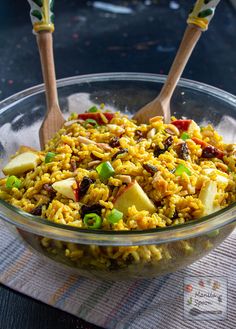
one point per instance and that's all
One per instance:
(157, 203)
(48, 188)
(121, 151)
(114, 142)
(150, 168)
(210, 152)
(73, 164)
(94, 157)
(183, 151)
(84, 185)
(95, 208)
(175, 215)
(129, 259)
(158, 151)
(167, 143)
(114, 266)
(37, 211)
(50, 191)
(138, 133)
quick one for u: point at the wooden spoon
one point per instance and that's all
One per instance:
(43, 27)
(198, 21)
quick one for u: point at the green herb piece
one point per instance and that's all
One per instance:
(93, 109)
(49, 157)
(213, 234)
(185, 136)
(37, 14)
(205, 13)
(105, 170)
(229, 169)
(93, 221)
(114, 216)
(181, 169)
(52, 18)
(38, 2)
(13, 181)
(91, 122)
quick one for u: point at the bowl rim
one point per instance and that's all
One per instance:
(42, 227)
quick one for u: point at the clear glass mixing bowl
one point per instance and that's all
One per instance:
(96, 253)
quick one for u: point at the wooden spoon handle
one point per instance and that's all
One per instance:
(190, 39)
(45, 45)
(198, 21)
(42, 18)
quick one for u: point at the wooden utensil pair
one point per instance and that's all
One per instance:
(42, 19)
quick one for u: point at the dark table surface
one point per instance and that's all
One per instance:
(90, 40)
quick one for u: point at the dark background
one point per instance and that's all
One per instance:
(90, 40)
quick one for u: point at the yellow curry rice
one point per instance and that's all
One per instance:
(184, 171)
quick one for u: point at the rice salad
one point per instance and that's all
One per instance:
(102, 171)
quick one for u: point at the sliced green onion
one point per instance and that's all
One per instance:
(92, 122)
(114, 216)
(49, 157)
(92, 220)
(185, 136)
(105, 170)
(229, 169)
(181, 169)
(93, 109)
(13, 181)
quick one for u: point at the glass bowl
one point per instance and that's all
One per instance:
(117, 255)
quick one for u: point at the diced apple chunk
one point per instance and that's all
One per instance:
(220, 176)
(21, 163)
(193, 127)
(65, 187)
(133, 195)
(207, 196)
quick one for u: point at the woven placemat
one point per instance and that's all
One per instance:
(154, 303)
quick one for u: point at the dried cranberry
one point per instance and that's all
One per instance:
(183, 151)
(150, 168)
(114, 142)
(121, 151)
(210, 152)
(95, 208)
(84, 186)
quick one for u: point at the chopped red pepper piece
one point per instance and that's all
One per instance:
(182, 124)
(97, 116)
(199, 142)
(208, 151)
